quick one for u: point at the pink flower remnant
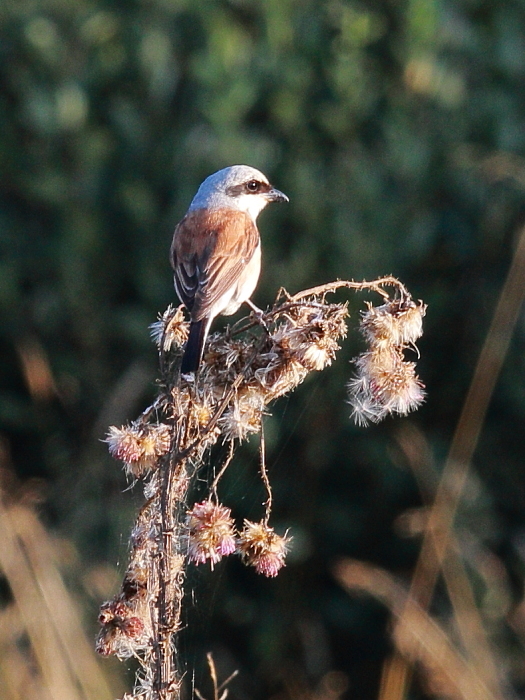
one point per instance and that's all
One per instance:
(211, 533)
(139, 446)
(262, 548)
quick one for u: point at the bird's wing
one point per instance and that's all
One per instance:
(209, 252)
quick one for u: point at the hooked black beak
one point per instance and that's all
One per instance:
(274, 195)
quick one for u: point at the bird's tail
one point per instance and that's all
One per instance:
(195, 346)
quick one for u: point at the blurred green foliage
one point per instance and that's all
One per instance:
(379, 120)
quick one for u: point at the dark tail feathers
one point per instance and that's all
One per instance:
(195, 346)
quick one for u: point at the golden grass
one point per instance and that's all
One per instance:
(44, 652)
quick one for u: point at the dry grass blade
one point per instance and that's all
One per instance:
(37, 370)
(67, 667)
(220, 691)
(468, 429)
(395, 676)
(417, 636)
(466, 614)
(438, 534)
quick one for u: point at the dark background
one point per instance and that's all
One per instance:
(397, 131)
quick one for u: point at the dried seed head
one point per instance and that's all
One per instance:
(243, 417)
(171, 330)
(125, 629)
(306, 340)
(403, 391)
(195, 405)
(262, 548)
(211, 532)
(385, 384)
(139, 446)
(133, 627)
(364, 409)
(224, 359)
(316, 356)
(280, 377)
(230, 351)
(304, 337)
(397, 322)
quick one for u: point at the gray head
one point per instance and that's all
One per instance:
(237, 187)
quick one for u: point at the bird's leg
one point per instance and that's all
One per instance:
(259, 315)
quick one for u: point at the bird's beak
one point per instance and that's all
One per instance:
(274, 195)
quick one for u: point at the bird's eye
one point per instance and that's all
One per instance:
(253, 186)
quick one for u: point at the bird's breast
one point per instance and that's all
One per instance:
(244, 287)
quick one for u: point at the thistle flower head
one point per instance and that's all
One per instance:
(397, 322)
(280, 375)
(385, 382)
(316, 356)
(402, 391)
(382, 389)
(211, 532)
(170, 330)
(139, 446)
(243, 417)
(196, 407)
(262, 548)
(125, 629)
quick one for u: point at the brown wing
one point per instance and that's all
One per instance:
(209, 252)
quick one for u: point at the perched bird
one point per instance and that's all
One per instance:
(216, 250)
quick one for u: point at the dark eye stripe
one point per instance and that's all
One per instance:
(244, 188)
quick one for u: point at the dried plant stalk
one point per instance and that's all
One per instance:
(244, 369)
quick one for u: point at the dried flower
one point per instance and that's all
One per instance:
(195, 406)
(262, 548)
(316, 356)
(211, 532)
(397, 322)
(125, 629)
(139, 446)
(243, 417)
(385, 384)
(170, 330)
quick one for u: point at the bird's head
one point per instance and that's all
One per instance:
(238, 187)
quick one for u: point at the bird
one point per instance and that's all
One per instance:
(216, 250)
